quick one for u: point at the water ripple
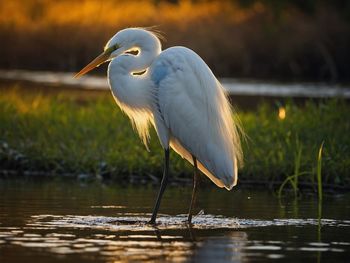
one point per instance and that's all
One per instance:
(132, 238)
(138, 222)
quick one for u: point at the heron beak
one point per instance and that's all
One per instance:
(95, 63)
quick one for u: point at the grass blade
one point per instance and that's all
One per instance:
(319, 172)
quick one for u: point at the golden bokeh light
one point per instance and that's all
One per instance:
(281, 113)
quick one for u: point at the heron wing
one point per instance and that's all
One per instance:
(192, 105)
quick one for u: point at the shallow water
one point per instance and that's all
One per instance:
(54, 221)
(233, 86)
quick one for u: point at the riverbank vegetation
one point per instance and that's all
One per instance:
(83, 133)
(293, 40)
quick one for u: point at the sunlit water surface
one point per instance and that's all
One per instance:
(54, 221)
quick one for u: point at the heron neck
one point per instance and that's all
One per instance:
(129, 90)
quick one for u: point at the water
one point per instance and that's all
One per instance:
(55, 221)
(233, 86)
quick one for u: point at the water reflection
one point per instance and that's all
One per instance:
(148, 243)
(95, 224)
(131, 238)
(222, 249)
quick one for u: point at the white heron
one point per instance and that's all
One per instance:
(176, 92)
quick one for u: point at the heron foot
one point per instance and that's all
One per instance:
(152, 222)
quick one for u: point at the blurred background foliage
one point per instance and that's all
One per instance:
(60, 132)
(268, 39)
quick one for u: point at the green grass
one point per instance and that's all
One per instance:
(81, 132)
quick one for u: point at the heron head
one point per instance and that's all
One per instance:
(130, 40)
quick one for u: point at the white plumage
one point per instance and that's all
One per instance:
(180, 96)
(196, 115)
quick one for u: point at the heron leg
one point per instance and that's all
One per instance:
(162, 186)
(194, 192)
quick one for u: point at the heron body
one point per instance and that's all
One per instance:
(179, 95)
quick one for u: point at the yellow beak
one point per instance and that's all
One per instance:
(95, 63)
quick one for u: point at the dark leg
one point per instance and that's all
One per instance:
(194, 192)
(162, 186)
